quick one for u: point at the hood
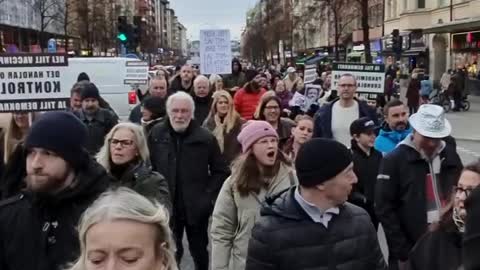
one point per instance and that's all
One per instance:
(235, 60)
(283, 205)
(394, 135)
(408, 141)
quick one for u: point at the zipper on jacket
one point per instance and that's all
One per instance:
(435, 187)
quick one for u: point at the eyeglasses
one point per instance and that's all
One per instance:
(123, 143)
(467, 191)
(272, 108)
(347, 85)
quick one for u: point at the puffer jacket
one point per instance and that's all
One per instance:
(234, 216)
(388, 139)
(285, 238)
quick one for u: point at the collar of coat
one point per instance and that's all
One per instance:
(161, 132)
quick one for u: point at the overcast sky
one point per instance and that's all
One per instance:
(203, 14)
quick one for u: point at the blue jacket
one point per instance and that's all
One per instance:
(323, 118)
(388, 139)
(426, 87)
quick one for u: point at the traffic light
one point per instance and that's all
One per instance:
(137, 31)
(397, 41)
(122, 27)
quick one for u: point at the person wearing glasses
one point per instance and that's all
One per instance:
(441, 248)
(333, 120)
(126, 157)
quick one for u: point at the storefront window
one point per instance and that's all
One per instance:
(421, 3)
(442, 3)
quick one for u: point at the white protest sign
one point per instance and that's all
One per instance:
(136, 72)
(215, 52)
(312, 94)
(370, 78)
(310, 74)
(298, 100)
(32, 82)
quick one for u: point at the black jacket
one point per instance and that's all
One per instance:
(103, 121)
(40, 232)
(176, 85)
(285, 237)
(142, 179)
(193, 165)
(471, 244)
(202, 107)
(231, 148)
(400, 196)
(323, 118)
(136, 114)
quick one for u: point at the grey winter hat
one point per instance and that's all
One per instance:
(430, 122)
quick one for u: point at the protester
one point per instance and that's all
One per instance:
(293, 82)
(455, 92)
(312, 226)
(388, 91)
(225, 124)
(441, 248)
(333, 120)
(395, 128)
(270, 111)
(98, 121)
(183, 81)
(216, 83)
(247, 98)
(413, 94)
(76, 96)
(415, 181)
(153, 111)
(17, 130)
(426, 88)
(157, 88)
(263, 81)
(366, 163)
(446, 79)
(126, 157)
(84, 81)
(62, 182)
(190, 159)
(275, 79)
(202, 98)
(284, 95)
(260, 172)
(301, 133)
(471, 239)
(237, 79)
(123, 230)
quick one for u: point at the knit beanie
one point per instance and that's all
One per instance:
(83, 77)
(471, 237)
(156, 105)
(320, 160)
(90, 91)
(253, 131)
(61, 133)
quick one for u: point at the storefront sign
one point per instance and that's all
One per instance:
(370, 77)
(32, 82)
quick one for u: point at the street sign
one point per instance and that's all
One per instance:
(52, 46)
(136, 73)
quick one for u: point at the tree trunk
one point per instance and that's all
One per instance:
(366, 31)
(337, 36)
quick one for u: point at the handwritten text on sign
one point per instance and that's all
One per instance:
(215, 52)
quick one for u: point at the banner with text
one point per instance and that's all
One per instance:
(136, 73)
(32, 82)
(370, 78)
(215, 52)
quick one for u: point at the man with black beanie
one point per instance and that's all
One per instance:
(312, 226)
(38, 226)
(98, 121)
(153, 111)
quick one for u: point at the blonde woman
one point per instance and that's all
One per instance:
(16, 132)
(123, 230)
(126, 157)
(225, 123)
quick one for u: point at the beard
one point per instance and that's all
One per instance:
(46, 183)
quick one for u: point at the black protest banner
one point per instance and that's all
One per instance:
(33, 82)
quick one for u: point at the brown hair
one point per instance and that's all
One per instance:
(288, 146)
(391, 104)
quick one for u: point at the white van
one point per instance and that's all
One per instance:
(108, 74)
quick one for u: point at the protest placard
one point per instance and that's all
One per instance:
(215, 52)
(136, 72)
(32, 82)
(370, 78)
(310, 74)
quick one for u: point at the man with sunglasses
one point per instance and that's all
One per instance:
(333, 120)
(415, 181)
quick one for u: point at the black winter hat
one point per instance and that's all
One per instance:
(83, 77)
(156, 105)
(319, 160)
(250, 74)
(471, 237)
(61, 133)
(362, 125)
(90, 91)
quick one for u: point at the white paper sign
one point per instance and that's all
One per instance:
(136, 72)
(215, 52)
(310, 74)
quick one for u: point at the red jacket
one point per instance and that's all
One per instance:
(246, 103)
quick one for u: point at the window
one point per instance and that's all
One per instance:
(442, 3)
(421, 4)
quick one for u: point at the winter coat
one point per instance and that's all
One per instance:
(285, 237)
(136, 114)
(101, 124)
(323, 118)
(293, 86)
(39, 232)
(202, 107)
(400, 196)
(234, 216)
(285, 98)
(471, 243)
(388, 139)
(413, 93)
(193, 166)
(246, 103)
(231, 147)
(284, 130)
(440, 249)
(235, 80)
(14, 172)
(140, 178)
(176, 85)
(426, 88)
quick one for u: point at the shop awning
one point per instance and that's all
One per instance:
(315, 59)
(470, 24)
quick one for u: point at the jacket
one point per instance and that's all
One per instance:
(193, 166)
(246, 103)
(426, 87)
(295, 85)
(235, 80)
(136, 114)
(234, 216)
(40, 232)
(231, 147)
(285, 98)
(176, 85)
(202, 107)
(413, 93)
(101, 124)
(285, 237)
(471, 243)
(401, 197)
(388, 139)
(284, 130)
(323, 118)
(140, 178)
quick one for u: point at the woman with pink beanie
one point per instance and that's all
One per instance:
(261, 171)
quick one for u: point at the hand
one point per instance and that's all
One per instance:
(402, 265)
(234, 89)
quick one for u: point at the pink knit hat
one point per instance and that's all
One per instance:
(253, 131)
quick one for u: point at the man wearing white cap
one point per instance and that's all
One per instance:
(415, 182)
(293, 82)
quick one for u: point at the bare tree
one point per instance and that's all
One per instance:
(364, 7)
(67, 18)
(47, 13)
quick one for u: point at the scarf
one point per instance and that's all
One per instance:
(458, 220)
(219, 131)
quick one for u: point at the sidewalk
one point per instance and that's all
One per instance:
(466, 125)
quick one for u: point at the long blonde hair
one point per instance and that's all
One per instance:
(104, 156)
(13, 136)
(232, 116)
(125, 204)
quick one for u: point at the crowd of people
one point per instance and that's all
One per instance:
(233, 161)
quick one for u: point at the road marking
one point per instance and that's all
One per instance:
(467, 151)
